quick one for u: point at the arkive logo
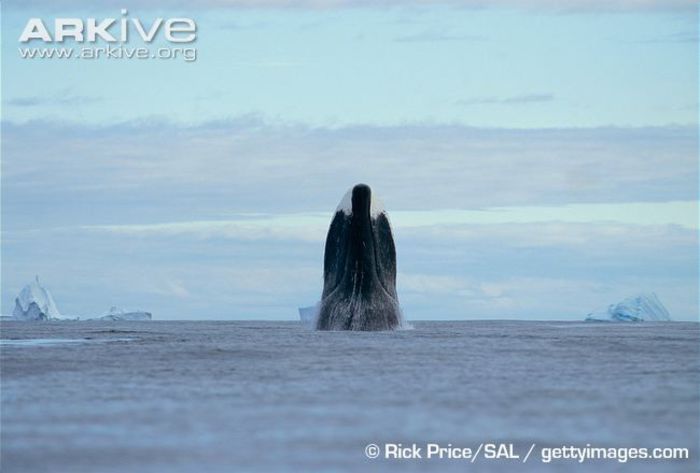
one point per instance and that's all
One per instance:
(109, 38)
(174, 30)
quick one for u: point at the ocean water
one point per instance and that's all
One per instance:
(274, 396)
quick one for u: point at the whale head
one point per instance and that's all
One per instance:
(359, 269)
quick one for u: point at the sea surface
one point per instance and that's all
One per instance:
(275, 396)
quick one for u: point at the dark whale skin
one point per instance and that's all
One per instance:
(359, 270)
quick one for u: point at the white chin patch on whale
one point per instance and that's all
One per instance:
(376, 206)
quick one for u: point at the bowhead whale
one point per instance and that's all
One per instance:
(359, 267)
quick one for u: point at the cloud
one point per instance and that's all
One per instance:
(285, 228)
(437, 36)
(576, 225)
(513, 100)
(228, 219)
(682, 37)
(61, 100)
(135, 171)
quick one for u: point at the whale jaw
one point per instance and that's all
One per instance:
(359, 291)
(359, 313)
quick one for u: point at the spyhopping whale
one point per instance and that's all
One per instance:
(359, 267)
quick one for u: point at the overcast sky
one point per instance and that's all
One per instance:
(537, 161)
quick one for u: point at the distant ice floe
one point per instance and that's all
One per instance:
(34, 302)
(115, 313)
(644, 307)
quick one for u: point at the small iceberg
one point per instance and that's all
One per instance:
(115, 313)
(308, 315)
(644, 307)
(34, 303)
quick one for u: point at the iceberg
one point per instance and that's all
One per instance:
(644, 307)
(308, 315)
(34, 302)
(115, 313)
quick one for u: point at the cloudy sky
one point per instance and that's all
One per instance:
(537, 161)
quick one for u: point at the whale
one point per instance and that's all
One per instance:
(359, 267)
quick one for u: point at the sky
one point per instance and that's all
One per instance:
(537, 161)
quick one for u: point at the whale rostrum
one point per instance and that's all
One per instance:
(359, 268)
